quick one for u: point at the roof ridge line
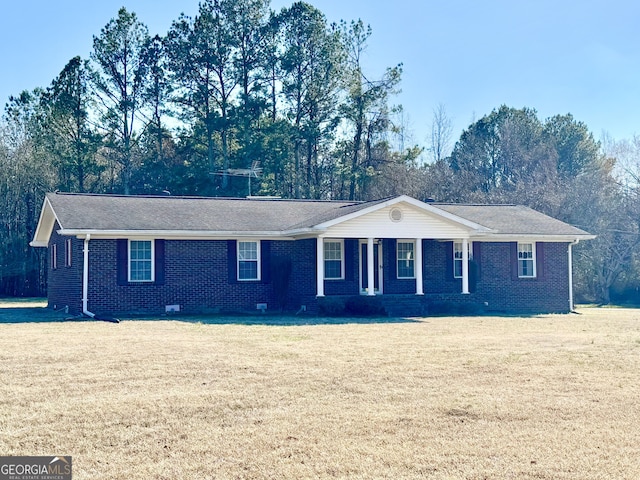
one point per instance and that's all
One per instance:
(478, 204)
(198, 197)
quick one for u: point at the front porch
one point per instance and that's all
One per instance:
(401, 305)
(381, 266)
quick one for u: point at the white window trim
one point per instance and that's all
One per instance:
(153, 260)
(470, 252)
(258, 261)
(533, 259)
(68, 245)
(413, 242)
(341, 242)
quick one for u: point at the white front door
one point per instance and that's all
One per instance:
(377, 262)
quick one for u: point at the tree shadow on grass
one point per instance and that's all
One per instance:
(275, 320)
(47, 315)
(28, 314)
(34, 315)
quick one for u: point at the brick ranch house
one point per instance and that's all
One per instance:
(112, 254)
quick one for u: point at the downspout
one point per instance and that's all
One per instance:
(571, 306)
(85, 279)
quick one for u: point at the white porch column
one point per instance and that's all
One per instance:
(370, 268)
(465, 266)
(418, 267)
(320, 267)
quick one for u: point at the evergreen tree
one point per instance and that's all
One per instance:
(312, 62)
(365, 110)
(202, 54)
(67, 132)
(119, 54)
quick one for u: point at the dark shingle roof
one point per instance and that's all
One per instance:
(511, 219)
(226, 215)
(327, 215)
(113, 212)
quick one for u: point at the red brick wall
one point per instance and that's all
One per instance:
(549, 292)
(197, 279)
(64, 284)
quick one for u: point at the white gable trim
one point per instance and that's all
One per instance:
(411, 201)
(46, 222)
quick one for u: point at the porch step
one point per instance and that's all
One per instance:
(404, 305)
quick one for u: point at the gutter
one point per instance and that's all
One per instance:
(85, 279)
(176, 234)
(570, 253)
(530, 237)
(293, 234)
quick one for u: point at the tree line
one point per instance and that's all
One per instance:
(239, 86)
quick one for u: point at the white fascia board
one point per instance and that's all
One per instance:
(301, 233)
(172, 234)
(530, 238)
(35, 243)
(411, 201)
(289, 235)
(46, 221)
(359, 213)
(449, 216)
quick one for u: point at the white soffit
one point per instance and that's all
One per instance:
(45, 226)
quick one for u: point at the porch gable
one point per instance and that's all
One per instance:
(401, 217)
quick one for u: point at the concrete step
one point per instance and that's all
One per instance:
(404, 306)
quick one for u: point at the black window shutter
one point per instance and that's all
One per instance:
(393, 261)
(350, 250)
(159, 261)
(265, 260)
(474, 267)
(540, 260)
(477, 255)
(232, 261)
(122, 260)
(514, 260)
(449, 256)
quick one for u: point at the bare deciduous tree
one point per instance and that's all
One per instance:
(441, 134)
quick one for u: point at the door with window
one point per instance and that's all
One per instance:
(364, 268)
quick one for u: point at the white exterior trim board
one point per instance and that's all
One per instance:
(46, 222)
(411, 201)
(172, 235)
(497, 237)
(415, 222)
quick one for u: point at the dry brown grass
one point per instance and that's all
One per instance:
(549, 397)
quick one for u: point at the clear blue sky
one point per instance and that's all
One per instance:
(557, 56)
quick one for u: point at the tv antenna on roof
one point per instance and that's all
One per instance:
(255, 171)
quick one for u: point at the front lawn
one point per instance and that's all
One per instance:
(546, 397)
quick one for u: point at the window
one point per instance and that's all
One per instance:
(526, 260)
(54, 256)
(333, 260)
(248, 260)
(457, 258)
(140, 261)
(67, 252)
(405, 253)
